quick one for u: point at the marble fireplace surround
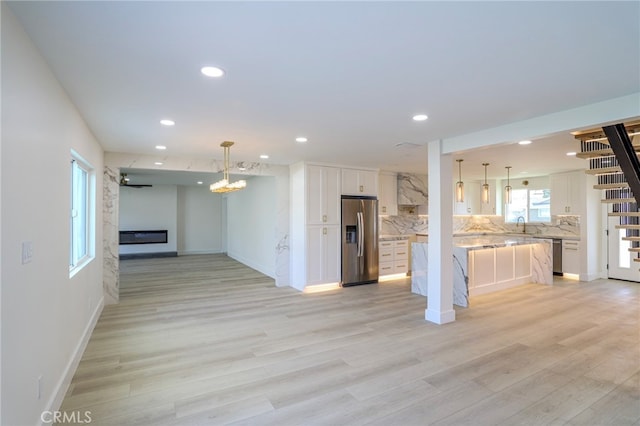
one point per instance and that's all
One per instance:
(111, 193)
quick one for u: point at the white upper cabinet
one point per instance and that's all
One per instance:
(360, 182)
(567, 192)
(388, 193)
(323, 195)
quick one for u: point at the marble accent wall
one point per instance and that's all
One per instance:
(412, 189)
(111, 235)
(282, 230)
(560, 226)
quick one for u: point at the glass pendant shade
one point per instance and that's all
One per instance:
(459, 184)
(459, 192)
(485, 186)
(485, 193)
(507, 189)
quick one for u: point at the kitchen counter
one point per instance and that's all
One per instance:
(519, 234)
(393, 237)
(488, 263)
(492, 241)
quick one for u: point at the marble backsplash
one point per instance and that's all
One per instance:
(566, 226)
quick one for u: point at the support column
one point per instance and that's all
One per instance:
(440, 247)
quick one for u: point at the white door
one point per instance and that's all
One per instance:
(621, 264)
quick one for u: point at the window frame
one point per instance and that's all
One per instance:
(527, 216)
(81, 214)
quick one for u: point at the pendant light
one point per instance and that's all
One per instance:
(459, 184)
(507, 189)
(485, 186)
(224, 185)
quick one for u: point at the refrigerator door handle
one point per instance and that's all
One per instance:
(360, 235)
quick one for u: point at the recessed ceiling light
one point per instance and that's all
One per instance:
(264, 156)
(158, 163)
(167, 122)
(212, 71)
(420, 117)
(301, 139)
(570, 154)
(199, 182)
(524, 142)
(161, 147)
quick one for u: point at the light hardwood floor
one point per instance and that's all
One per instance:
(199, 340)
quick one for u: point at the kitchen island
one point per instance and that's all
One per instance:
(487, 263)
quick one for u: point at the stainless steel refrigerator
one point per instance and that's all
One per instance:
(359, 240)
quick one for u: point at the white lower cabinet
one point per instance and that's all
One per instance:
(498, 268)
(323, 252)
(570, 257)
(393, 257)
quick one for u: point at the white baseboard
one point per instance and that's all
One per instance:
(268, 271)
(63, 384)
(439, 317)
(188, 252)
(593, 276)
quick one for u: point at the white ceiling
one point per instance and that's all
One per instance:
(347, 75)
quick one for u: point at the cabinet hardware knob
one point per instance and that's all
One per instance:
(324, 231)
(324, 217)
(361, 188)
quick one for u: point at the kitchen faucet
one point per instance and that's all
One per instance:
(524, 224)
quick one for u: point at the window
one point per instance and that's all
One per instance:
(82, 228)
(533, 205)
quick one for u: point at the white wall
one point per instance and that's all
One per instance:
(199, 220)
(46, 315)
(149, 209)
(251, 225)
(191, 215)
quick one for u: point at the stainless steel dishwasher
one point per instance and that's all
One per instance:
(557, 257)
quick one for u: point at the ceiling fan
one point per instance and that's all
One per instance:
(124, 181)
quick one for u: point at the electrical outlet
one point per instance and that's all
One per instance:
(27, 251)
(40, 387)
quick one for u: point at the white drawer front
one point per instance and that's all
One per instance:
(386, 244)
(400, 253)
(385, 254)
(401, 243)
(385, 268)
(400, 266)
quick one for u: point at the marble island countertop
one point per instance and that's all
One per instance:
(518, 234)
(492, 241)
